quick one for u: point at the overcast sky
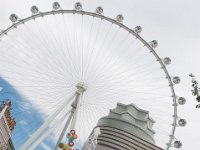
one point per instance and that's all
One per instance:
(174, 23)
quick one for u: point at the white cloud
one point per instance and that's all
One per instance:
(45, 146)
(23, 122)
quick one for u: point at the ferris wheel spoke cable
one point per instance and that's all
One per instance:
(78, 36)
(50, 102)
(68, 54)
(42, 83)
(39, 41)
(40, 98)
(17, 66)
(44, 94)
(65, 129)
(135, 86)
(105, 67)
(88, 70)
(104, 39)
(58, 52)
(154, 99)
(36, 53)
(107, 47)
(133, 91)
(134, 65)
(67, 45)
(123, 89)
(106, 57)
(31, 126)
(98, 109)
(74, 46)
(61, 54)
(88, 45)
(54, 43)
(92, 119)
(62, 98)
(42, 77)
(92, 49)
(144, 65)
(116, 59)
(160, 110)
(98, 52)
(49, 92)
(139, 65)
(153, 72)
(134, 97)
(102, 102)
(82, 47)
(123, 73)
(35, 123)
(30, 79)
(86, 120)
(32, 123)
(79, 47)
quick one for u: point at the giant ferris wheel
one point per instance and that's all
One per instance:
(73, 66)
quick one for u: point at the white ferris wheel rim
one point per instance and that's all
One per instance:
(121, 25)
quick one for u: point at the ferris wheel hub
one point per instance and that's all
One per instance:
(81, 87)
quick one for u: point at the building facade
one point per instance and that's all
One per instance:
(7, 124)
(125, 128)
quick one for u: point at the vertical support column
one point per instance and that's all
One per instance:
(81, 88)
(64, 130)
(75, 109)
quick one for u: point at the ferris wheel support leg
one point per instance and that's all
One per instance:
(74, 112)
(46, 124)
(49, 131)
(75, 109)
(64, 130)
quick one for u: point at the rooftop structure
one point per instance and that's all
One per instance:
(127, 127)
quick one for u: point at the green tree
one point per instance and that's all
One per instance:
(195, 89)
